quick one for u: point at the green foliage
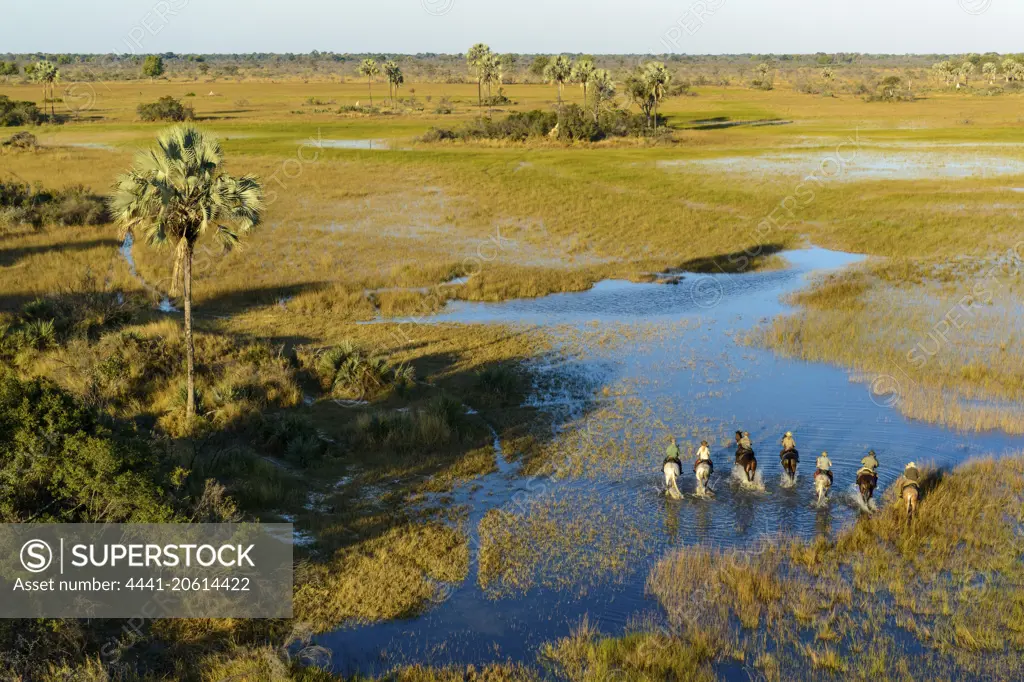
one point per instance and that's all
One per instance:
(166, 109)
(58, 463)
(293, 437)
(346, 371)
(153, 67)
(572, 123)
(9, 69)
(21, 204)
(14, 113)
(539, 65)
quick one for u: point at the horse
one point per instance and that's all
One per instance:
(867, 481)
(673, 469)
(790, 458)
(703, 472)
(746, 459)
(911, 493)
(822, 483)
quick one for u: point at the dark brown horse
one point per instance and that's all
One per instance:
(746, 459)
(790, 458)
(867, 481)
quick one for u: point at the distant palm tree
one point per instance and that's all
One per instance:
(475, 59)
(604, 89)
(990, 69)
(1010, 67)
(47, 74)
(490, 72)
(177, 192)
(395, 78)
(558, 71)
(583, 73)
(371, 70)
(658, 78)
(966, 69)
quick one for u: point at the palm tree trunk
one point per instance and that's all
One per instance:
(479, 93)
(190, 350)
(655, 112)
(369, 85)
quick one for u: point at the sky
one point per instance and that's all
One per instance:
(524, 26)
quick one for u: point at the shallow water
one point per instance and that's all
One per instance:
(654, 360)
(356, 144)
(854, 162)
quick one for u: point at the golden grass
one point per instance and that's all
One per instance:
(945, 348)
(951, 580)
(395, 575)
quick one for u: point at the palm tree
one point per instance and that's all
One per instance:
(475, 59)
(990, 69)
(604, 89)
(176, 193)
(966, 69)
(371, 70)
(658, 78)
(46, 73)
(490, 72)
(395, 78)
(583, 73)
(558, 71)
(1009, 68)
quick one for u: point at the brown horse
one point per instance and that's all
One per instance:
(746, 459)
(867, 481)
(790, 458)
(911, 493)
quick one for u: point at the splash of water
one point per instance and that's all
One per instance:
(739, 476)
(786, 482)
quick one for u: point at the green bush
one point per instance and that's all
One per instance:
(166, 109)
(21, 204)
(59, 464)
(14, 113)
(346, 371)
(573, 123)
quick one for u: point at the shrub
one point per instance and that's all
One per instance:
(22, 204)
(22, 140)
(14, 113)
(349, 372)
(166, 109)
(573, 123)
(58, 463)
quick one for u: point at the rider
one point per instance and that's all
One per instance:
(870, 462)
(824, 465)
(744, 441)
(672, 451)
(912, 476)
(788, 442)
(703, 455)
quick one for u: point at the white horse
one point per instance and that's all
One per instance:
(822, 483)
(672, 472)
(703, 475)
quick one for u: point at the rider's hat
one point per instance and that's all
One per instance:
(910, 465)
(824, 453)
(703, 442)
(789, 433)
(871, 452)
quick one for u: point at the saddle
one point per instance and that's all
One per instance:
(828, 473)
(711, 465)
(743, 454)
(866, 471)
(674, 460)
(789, 454)
(907, 483)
